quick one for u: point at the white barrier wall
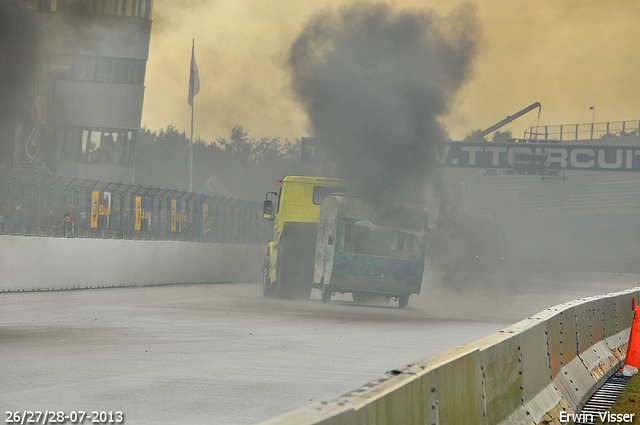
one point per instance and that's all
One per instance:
(32, 263)
(525, 374)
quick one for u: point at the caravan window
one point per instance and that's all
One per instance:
(363, 237)
(321, 192)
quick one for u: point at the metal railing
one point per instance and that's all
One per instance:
(598, 130)
(33, 204)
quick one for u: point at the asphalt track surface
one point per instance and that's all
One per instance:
(223, 354)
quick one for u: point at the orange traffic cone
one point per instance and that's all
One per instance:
(633, 350)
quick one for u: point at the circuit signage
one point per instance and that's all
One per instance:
(559, 157)
(490, 155)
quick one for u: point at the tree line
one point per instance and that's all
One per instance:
(240, 166)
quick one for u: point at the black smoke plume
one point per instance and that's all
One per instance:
(374, 81)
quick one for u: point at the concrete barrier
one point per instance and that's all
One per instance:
(441, 389)
(527, 373)
(33, 264)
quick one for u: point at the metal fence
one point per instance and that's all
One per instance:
(598, 130)
(33, 204)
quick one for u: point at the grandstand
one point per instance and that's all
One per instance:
(578, 220)
(578, 193)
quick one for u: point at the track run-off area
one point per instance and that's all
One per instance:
(224, 354)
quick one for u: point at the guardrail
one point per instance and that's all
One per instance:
(33, 204)
(527, 373)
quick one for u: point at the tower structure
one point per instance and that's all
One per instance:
(84, 111)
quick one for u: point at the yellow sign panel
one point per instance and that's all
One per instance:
(95, 202)
(143, 214)
(178, 216)
(174, 214)
(138, 212)
(205, 218)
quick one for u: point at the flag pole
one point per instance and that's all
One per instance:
(193, 45)
(191, 154)
(194, 88)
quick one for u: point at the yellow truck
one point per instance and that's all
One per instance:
(288, 262)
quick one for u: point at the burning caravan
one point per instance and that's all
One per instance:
(369, 252)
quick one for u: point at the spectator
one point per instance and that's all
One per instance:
(15, 222)
(67, 222)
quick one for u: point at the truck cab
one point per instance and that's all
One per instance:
(288, 261)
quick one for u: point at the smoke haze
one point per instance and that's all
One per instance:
(566, 54)
(375, 80)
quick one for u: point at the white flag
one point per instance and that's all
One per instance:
(194, 78)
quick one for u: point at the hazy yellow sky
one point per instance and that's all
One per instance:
(566, 54)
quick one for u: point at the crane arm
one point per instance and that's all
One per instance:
(508, 120)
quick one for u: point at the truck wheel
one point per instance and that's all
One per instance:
(326, 294)
(268, 288)
(403, 301)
